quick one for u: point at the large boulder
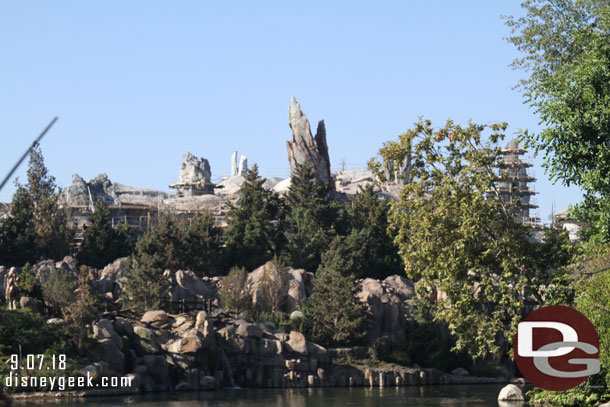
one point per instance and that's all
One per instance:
(248, 330)
(299, 285)
(389, 303)
(114, 271)
(194, 170)
(297, 343)
(156, 318)
(189, 281)
(104, 330)
(511, 392)
(304, 148)
(111, 354)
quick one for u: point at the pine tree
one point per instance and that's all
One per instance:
(337, 315)
(82, 311)
(37, 226)
(312, 221)
(145, 287)
(17, 232)
(51, 221)
(252, 236)
(368, 217)
(202, 245)
(102, 243)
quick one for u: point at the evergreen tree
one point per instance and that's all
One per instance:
(337, 315)
(347, 254)
(51, 221)
(17, 232)
(202, 245)
(36, 226)
(145, 287)
(58, 290)
(82, 311)
(368, 217)
(102, 243)
(312, 221)
(252, 236)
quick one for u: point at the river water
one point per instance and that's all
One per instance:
(428, 396)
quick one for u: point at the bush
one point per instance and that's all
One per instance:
(235, 292)
(58, 290)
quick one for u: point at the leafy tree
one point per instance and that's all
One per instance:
(58, 290)
(82, 310)
(566, 47)
(273, 286)
(337, 315)
(454, 234)
(252, 235)
(102, 243)
(235, 291)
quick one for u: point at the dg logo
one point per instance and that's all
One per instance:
(557, 348)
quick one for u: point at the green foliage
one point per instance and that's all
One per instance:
(337, 315)
(235, 291)
(37, 226)
(145, 287)
(34, 335)
(252, 235)
(102, 243)
(313, 219)
(183, 244)
(566, 45)
(454, 234)
(82, 310)
(28, 283)
(58, 290)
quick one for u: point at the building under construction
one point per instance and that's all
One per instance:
(513, 186)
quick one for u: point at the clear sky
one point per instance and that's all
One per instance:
(137, 84)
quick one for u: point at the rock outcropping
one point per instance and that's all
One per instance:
(304, 148)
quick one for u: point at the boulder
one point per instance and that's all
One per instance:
(194, 170)
(148, 339)
(297, 314)
(123, 327)
(114, 271)
(156, 318)
(154, 371)
(297, 343)
(304, 148)
(104, 330)
(190, 281)
(111, 354)
(460, 372)
(511, 392)
(248, 330)
(190, 344)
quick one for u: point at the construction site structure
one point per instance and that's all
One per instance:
(514, 184)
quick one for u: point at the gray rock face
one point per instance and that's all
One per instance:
(511, 392)
(304, 148)
(194, 169)
(86, 193)
(104, 330)
(243, 165)
(111, 354)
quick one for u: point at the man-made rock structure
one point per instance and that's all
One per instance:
(389, 303)
(241, 168)
(194, 177)
(304, 148)
(350, 181)
(87, 193)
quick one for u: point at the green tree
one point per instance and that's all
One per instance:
(252, 233)
(37, 226)
(146, 287)
(454, 234)
(28, 283)
(235, 291)
(313, 218)
(337, 315)
(368, 216)
(566, 47)
(102, 243)
(82, 309)
(58, 290)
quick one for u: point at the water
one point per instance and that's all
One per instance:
(428, 396)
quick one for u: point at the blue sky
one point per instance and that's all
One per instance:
(137, 84)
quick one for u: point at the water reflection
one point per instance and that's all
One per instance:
(428, 396)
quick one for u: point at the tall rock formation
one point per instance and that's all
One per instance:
(194, 170)
(304, 147)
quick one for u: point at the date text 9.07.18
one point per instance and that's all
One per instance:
(37, 362)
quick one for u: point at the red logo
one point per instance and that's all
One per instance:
(557, 348)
